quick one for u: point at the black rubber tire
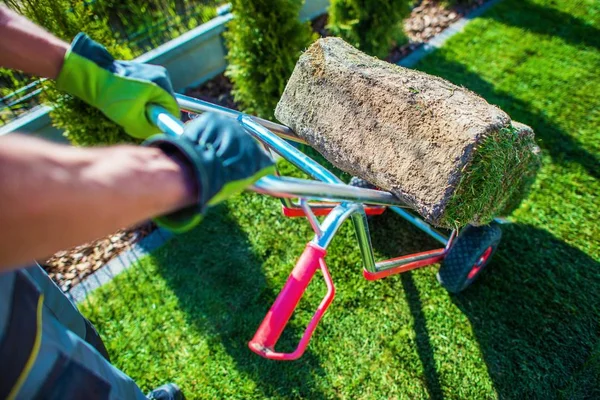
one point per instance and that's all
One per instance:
(361, 183)
(467, 251)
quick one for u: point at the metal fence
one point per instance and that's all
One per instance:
(141, 25)
(159, 21)
(19, 93)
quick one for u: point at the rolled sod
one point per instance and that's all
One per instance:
(440, 148)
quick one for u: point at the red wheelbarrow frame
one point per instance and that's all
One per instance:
(336, 202)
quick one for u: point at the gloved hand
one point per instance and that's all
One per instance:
(221, 157)
(120, 89)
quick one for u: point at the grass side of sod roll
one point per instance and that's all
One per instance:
(493, 178)
(528, 328)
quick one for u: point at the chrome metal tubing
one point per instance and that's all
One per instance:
(323, 191)
(451, 239)
(287, 202)
(332, 189)
(312, 219)
(334, 221)
(164, 120)
(315, 205)
(363, 237)
(422, 225)
(393, 263)
(199, 106)
(287, 151)
(290, 187)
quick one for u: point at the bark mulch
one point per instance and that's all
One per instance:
(426, 20)
(69, 267)
(217, 91)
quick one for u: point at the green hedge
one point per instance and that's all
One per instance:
(264, 39)
(371, 26)
(125, 28)
(146, 24)
(83, 125)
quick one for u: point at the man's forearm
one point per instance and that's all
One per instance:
(72, 195)
(29, 48)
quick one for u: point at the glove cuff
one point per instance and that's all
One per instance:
(84, 46)
(85, 63)
(182, 149)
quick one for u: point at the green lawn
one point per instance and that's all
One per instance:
(529, 328)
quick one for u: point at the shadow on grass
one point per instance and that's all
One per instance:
(424, 348)
(561, 146)
(408, 239)
(547, 21)
(535, 313)
(223, 292)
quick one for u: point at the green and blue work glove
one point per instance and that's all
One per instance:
(120, 89)
(220, 156)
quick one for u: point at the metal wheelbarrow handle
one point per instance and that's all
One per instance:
(272, 326)
(312, 259)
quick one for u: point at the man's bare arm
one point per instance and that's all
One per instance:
(27, 47)
(53, 197)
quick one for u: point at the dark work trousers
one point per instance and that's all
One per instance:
(48, 350)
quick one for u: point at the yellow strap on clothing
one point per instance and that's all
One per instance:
(34, 351)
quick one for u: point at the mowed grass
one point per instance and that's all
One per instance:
(529, 328)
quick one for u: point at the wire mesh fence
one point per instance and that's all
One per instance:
(19, 93)
(140, 25)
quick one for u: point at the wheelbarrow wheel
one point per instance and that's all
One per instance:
(468, 256)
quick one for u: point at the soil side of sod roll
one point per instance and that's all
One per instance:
(439, 147)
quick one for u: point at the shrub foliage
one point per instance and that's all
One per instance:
(264, 39)
(83, 124)
(371, 26)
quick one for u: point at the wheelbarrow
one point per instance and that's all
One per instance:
(463, 255)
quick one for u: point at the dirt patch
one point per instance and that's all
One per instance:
(217, 91)
(402, 130)
(319, 25)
